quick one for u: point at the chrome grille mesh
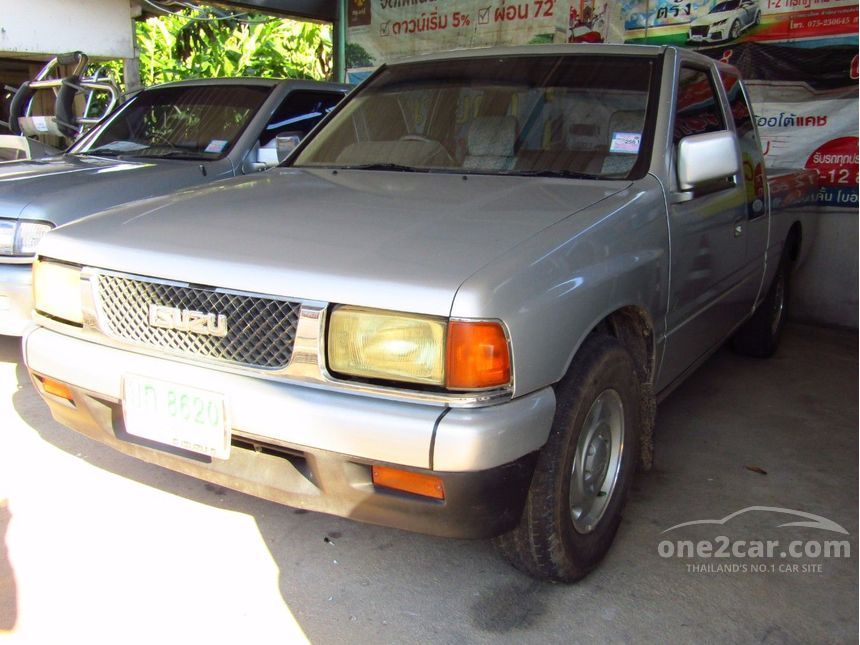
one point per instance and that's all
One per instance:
(260, 331)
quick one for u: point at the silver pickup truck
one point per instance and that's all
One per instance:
(163, 138)
(453, 308)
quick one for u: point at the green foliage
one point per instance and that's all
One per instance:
(174, 48)
(357, 56)
(542, 39)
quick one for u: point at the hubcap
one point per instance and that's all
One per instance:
(597, 460)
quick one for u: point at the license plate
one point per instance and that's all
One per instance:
(178, 415)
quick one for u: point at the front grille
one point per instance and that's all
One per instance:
(260, 331)
(699, 31)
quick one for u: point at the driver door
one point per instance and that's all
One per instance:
(708, 242)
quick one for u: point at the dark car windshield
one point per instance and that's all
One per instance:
(565, 115)
(185, 122)
(725, 6)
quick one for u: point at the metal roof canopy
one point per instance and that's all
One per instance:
(322, 10)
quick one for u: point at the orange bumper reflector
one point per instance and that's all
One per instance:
(57, 389)
(416, 483)
(478, 355)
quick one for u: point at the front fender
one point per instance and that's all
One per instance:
(554, 288)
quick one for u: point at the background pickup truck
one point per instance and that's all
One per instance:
(162, 139)
(455, 307)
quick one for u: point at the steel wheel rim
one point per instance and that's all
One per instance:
(778, 305)
(596, 464)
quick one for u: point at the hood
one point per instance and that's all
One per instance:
(61, 189)
(711, 18)
(392, 240)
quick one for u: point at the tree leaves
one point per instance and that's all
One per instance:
(175, 48)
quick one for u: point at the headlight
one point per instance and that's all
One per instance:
(28, 237)
(21, 237)
(7, 236)
(57, 290)
(457, 354)
(387, 345)
(719, 22)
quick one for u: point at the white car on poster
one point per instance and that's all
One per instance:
(725, 21)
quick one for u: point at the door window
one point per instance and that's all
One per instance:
(752, 158)
(698, 111)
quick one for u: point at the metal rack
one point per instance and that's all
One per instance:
(64, 122)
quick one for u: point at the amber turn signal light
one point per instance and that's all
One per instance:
(408, 482)
(478, 356)
(57, 389)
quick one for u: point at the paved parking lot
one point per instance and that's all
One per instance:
(100, 548)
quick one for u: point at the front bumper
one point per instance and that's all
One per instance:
(16, 298)
(312, 448)
(711, 37)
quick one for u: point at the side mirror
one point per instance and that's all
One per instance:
(708, 157)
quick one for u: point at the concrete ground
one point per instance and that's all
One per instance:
(100, 548)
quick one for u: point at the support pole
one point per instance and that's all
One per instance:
(339, 43)
(131, 72)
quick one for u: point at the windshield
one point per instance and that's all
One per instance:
(190, 122)
(725, 6)
(567, 115)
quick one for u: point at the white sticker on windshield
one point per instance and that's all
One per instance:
(625, 142)
(216, 146)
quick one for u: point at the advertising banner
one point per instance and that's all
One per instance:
(805, 103)
(384, 30)
(705, 22)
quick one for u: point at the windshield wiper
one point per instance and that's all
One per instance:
(566, 174)
(116, 148)
(171, 154)
(385, 166)
(102, 153)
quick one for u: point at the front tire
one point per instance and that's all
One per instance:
(735, 31)
(584, 471)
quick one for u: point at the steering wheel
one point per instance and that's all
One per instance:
(158, 137)
(417, 137)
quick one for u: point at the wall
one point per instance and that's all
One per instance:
(825, 287)
(100, 28)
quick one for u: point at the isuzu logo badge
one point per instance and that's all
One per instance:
(195, 322)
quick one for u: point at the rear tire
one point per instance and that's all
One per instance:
(759, 336)
(572, 512)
